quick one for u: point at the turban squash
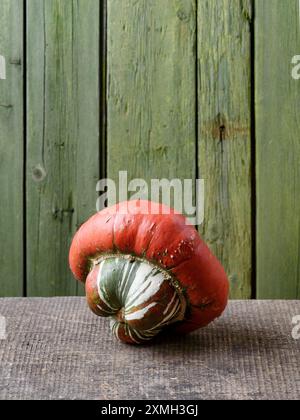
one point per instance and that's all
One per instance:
(148, 270)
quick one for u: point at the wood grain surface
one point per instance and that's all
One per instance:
(56, 348)
(162, 89)
(224, 122)
(62, 135)
(277, 149)
(11, 149)
(151, 89)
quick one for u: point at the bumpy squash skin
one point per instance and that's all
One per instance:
(164, 239)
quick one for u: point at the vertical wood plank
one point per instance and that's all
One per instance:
(11, 149)
(278, 149)
(63, 135)
(224, 79)
(151, 89)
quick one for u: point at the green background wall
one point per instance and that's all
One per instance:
(162, 89)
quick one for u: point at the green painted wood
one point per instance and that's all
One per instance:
(277, 149)
(62, 137)
(11, 149)
(224, 139)
(151, 88)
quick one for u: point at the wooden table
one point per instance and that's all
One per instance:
(57, 349)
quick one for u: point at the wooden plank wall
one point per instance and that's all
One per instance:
(224, 123)
(193, 88)
(151, 98)
(11, 149)
(153, 129)
(277, 149)
(63, 73)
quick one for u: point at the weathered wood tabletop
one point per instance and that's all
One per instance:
(57, 349)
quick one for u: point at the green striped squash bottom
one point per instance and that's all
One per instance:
(141, 297)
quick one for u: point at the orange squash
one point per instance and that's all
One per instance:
(148, 270)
